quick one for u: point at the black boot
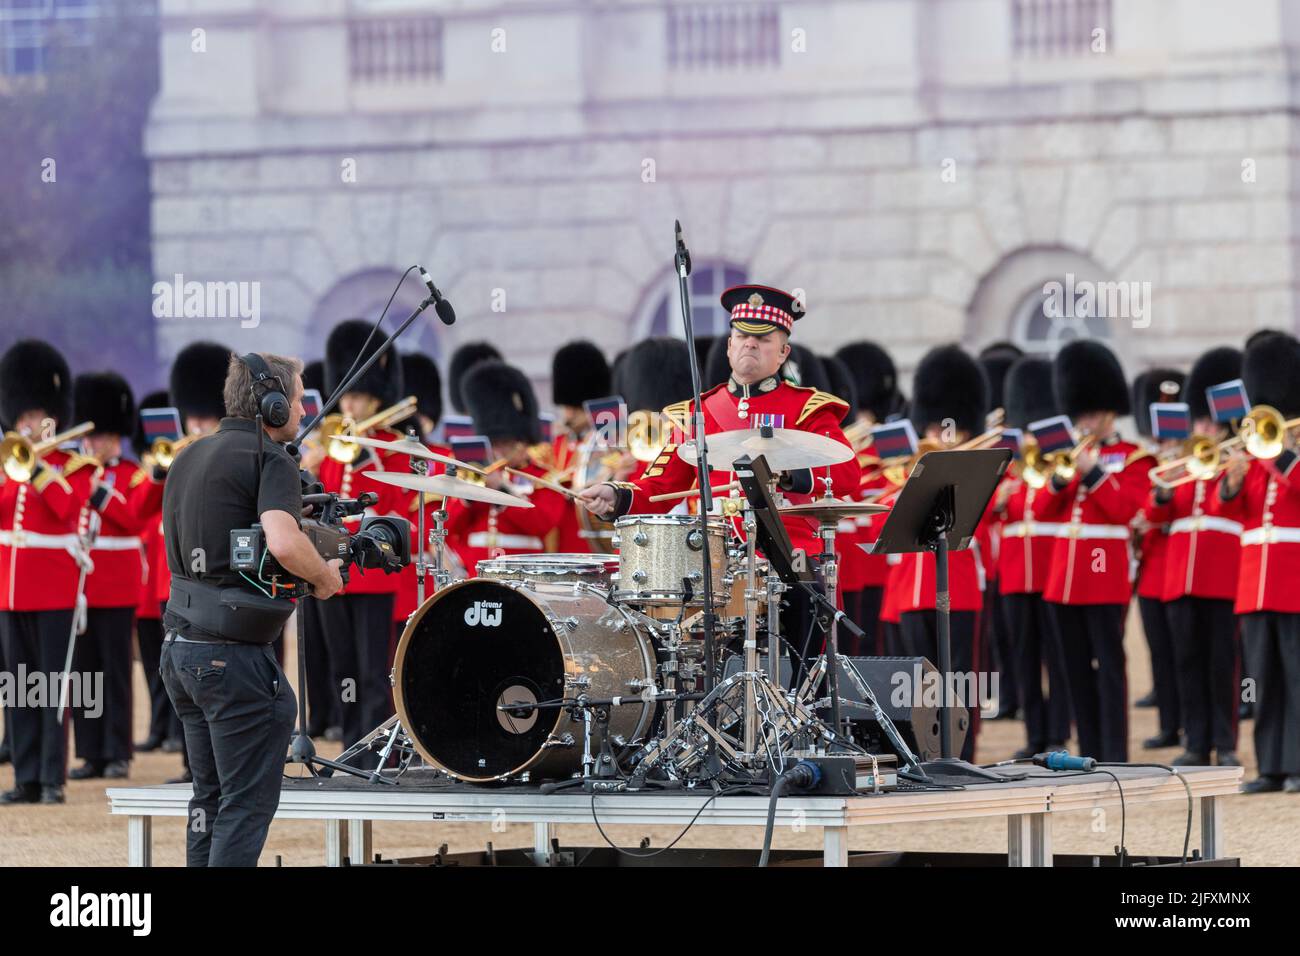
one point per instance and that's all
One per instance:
(149, 745)
(1263, 785)
(1161, 740)
(89, 770)
(23, 793)
(52, 794)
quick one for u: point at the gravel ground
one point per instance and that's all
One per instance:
(1262, 830)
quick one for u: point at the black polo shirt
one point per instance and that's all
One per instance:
(213, 488)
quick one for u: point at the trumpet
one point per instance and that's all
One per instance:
(163, 451)
(1038, 468)
(1065, 463)
(1201, 459)
(332, 427)
(20, 454)
(1263, 431)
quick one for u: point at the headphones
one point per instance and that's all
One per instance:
(272, 402)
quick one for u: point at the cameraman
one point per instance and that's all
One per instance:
(217, 662)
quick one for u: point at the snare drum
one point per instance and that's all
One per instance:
(598, 570)
(658, 552)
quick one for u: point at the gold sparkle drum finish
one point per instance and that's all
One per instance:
(594, 569)
(657, 552)
(478, 645)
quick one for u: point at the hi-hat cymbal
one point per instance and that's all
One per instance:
(827, 509)
(789, 449)
(407, 447)
(448, 487)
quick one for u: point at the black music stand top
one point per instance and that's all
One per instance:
(946, 493)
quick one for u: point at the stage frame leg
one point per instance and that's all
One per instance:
(1029, 839)
(139, 841)
(360, 841)
(336, 842)
(543, 834)
(1211, 829)
(835, 846)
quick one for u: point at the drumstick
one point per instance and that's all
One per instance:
(694, 492)
(543, 483)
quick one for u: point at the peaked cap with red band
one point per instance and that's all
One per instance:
(759, 309)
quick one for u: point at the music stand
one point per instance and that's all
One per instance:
(938, 509)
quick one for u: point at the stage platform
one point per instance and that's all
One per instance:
(349, 807)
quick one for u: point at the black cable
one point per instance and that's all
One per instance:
(1187, 833)
(652, 853)
(777, 789)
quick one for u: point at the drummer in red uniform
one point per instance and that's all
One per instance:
(503, 405)
(1264, 495)
(123, 498)
(761, 322)
(1089, 583)
(1201, 565)
(949, 399)
(39, 570)
(358, 623)
(579, 373)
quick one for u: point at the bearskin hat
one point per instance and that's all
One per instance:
(1269, 372)
(579, 373)
(34, 375)
(343, 348)
(462, 360)
(804, 365)
(996, 364)
(421, 378)
(158, 399)
(1027, 392)
(501, 401)
(1218, 365)
(1152, 386)
(105, 399)
(1087, 377)
(874, 377)
(717, 367)
(198, 380)
(949, 384)
(841, 385)
(313, 376)
(655, 374)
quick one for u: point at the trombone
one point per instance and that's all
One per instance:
(896, 472)
(1262, 434)
(1037, 467)
(334, 426)
(163, 451)
(20, 454)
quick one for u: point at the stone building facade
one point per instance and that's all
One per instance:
(921, 169)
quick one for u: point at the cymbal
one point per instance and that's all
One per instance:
(448, 487)
(789, 449)
(833, 508)
(407, 447)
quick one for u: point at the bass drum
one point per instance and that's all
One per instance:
(479, 644)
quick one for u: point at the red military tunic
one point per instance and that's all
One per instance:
(864, 570)
(1090, 557)
(125, 504)
(492, 531)
(1204, 550)
(805, 409)
(346, 479)
(38, 534)
(1154, 551)
(1268, 506)
(916, 577)
(564, 457)
(1025, 548)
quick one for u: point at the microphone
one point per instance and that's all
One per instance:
(683, 254)
(1061, 760)
(440, 305)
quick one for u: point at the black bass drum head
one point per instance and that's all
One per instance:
(471, 647)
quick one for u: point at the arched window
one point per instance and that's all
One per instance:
(1058, 312)
(362, 295)
(661, 311)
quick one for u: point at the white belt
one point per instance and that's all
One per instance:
(485, 539)
(1116, 532)
(1271, 535)
(1031, 529)
(846, 526)
(34, 539)
(1205, 523)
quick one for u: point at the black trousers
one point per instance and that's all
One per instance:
(238, 710)
(104, 734)
(6, 742)
(1036, 649)
(891, 635)
(322, 701)
(1205, 652)
(1164, 668)
(1271, 642)
(1092, 642)
(921, 634)
(863, 609)
(37, 642)
(163, 722)
(1000, 654)
(357, 629)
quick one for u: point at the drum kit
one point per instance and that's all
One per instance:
(591, 668)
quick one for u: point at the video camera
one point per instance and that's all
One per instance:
(383, 542)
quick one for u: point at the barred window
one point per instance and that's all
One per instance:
(723, 36)
(1058, 28)
(395, 49)
(707, 282)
